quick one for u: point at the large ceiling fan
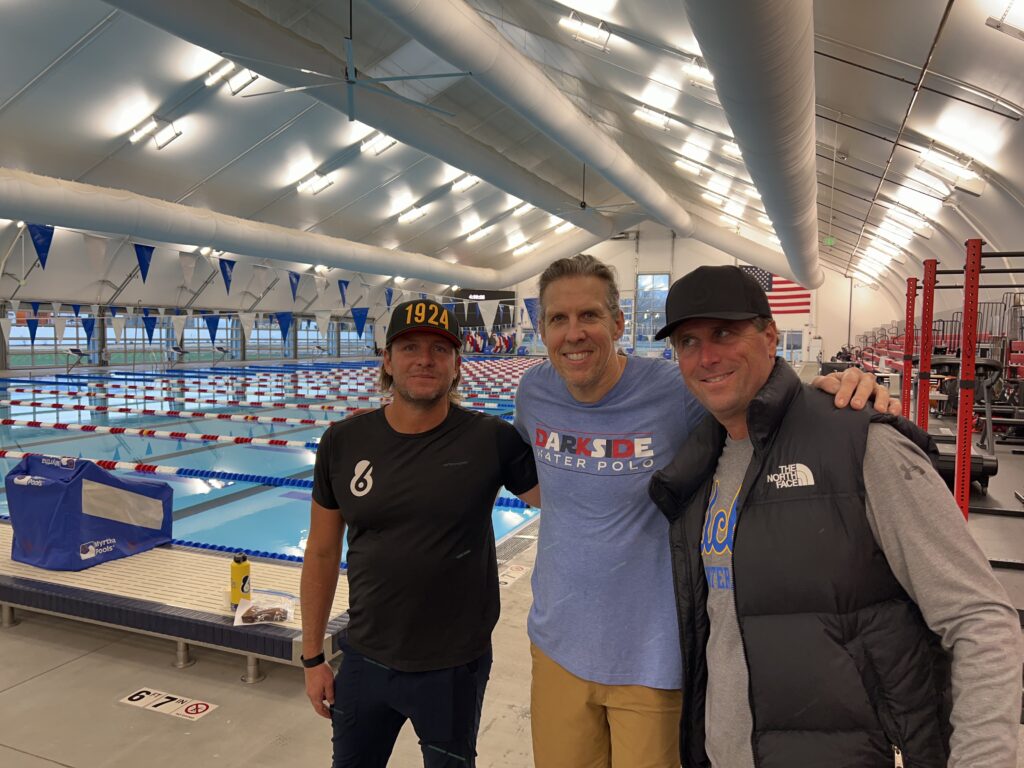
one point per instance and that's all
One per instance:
(350, 79)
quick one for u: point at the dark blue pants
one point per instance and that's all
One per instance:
(372, 703)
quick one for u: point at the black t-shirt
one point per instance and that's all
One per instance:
(422, 572)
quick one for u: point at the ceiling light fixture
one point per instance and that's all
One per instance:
(166, 135)
(565, 226)
(399, 279)
(1003, 26)
(764, 220)
(698, 71)
(241, 81)
(711, 197)
(524, 208)
(735, 208)
(689, 167)
(412, 213)
(378, 144)
(591, 34)
(465, 183)
(720, 184)
(695, 152)
(652, 117)
(524, 249)
(476, 234)
(863, 277)
(143, 130)
(314, 183)
(219, 73)
(732, 148)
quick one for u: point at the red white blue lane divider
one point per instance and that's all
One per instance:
(373, 400)
(186, 436)
(157, 469)
(249, 417)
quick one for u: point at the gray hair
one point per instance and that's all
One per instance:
(580, 265)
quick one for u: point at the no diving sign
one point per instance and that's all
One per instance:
(169, 703)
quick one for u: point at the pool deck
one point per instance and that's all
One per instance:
(62, 681)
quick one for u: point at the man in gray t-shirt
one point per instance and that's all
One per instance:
(824, 666)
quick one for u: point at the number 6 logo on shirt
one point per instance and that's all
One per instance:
(362, 479)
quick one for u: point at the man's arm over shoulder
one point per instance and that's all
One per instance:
(934, 557)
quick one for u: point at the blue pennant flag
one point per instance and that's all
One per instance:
(423, 295)
(227, 266)
(284, 319)
(88, 325)
(33, 326)
(212, 321)
(293, 280)
(450, 307)
(35, 307)
(342, 286)
(532, 308)
(359, 316)
(42, 237)
(113, 311)
(76, 308)
(150, 322)
(149, 449)
(144, 253)
(389, 295)
(117, 453)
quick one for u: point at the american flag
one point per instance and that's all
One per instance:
(784, 296)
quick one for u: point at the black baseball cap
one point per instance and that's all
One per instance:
(424, 315)
(722, 293)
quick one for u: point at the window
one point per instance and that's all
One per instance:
(649, 311)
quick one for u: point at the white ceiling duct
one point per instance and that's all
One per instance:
(74, 205)
(459, 35)
(762, 57)
(230, 27)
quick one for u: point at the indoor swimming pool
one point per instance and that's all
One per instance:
(252, 432)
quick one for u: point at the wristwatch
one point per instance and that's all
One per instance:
(316, 661)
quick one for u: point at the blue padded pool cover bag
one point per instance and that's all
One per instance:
(69, 514)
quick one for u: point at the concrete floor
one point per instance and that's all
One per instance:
(61, 683)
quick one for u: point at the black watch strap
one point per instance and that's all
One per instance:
(316, 661)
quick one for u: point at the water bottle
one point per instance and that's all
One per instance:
(239, 579)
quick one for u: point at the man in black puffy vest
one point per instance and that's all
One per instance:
(850, 620)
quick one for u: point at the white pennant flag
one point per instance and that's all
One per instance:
(321, 285)
(380, 329)
(15, 303)
(5, 326)
(118, 324)
(488, 311)
(59, 323)
(96, 253)
(188, 266)
(260, 279)
(95, 309)
(160, 310)
(247, 319)
(323, 323)
(57, 306)
(178, 321)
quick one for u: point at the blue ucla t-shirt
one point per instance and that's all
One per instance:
(603, 599)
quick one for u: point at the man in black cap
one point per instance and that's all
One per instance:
(415, 482)
(855, 621)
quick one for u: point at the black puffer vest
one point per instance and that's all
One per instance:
(843, 669)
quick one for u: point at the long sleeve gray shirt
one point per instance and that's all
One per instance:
(926, 542)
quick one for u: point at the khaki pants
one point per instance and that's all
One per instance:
(579, 724)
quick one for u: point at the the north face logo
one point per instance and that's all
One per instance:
(791, 475)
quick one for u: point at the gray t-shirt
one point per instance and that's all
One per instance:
(925, 540)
